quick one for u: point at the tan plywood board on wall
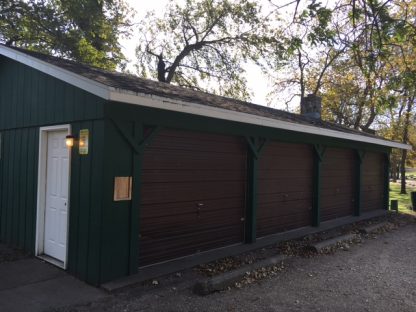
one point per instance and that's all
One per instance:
(122, 188)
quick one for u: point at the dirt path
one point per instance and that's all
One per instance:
(379, 275)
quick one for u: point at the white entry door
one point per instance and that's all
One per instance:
(56, 196)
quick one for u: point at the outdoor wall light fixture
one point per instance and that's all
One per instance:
(69, 140)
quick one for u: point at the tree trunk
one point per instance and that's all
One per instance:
(405, 141)
(393, 167)
(403, 172)
(302, 75)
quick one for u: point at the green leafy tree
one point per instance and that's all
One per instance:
(204, 44)
(402, 84)
(352, 97)
(351, 37)
(313, 42)
(82, 30)
(374, 82)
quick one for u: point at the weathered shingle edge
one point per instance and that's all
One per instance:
(125, 96)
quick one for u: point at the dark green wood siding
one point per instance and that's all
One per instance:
(18, 173)
(86, 202)
(116, 215)
(31, 98)
(18, 196)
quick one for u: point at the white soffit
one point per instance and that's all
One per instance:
(125, 96)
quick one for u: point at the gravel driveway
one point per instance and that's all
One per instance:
(377, 275)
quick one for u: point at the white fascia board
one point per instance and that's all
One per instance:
(76, 80)
(219, 113)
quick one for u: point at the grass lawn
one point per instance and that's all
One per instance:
(411, 172)
(404, 199)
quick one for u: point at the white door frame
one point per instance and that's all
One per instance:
(41, 193)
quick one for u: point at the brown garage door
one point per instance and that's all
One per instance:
(193, 194)
(373, 181)
(285, 188)
(338, 175)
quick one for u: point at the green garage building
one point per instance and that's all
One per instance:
(157, 172)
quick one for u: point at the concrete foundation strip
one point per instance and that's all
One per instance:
(374, 227)
(227, 279)
(332, 242)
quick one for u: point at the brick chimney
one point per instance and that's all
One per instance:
(310, 106)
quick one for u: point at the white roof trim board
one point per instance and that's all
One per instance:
(125, 96)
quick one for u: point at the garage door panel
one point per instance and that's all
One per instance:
(337, 183)
(340, 206)
(344, 171)
(277, 197)
(177, 175)
(156, 210)
(193, 194)
(290, 184)
(275, 209)
(372, 188)
(284, 188)
(187, 161)
(180, 192)
(194, 218)
(333, 161)
(373, 181)
(271, 172)
(172, 247)
(186, 226)
(279, 220)
(372, 205)
(283, 163)
(372, 195)
(283, 223)
(337, 198)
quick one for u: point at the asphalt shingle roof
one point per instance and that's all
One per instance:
(139, 85)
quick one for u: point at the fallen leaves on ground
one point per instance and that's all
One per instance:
(259, 274)
(300, 247)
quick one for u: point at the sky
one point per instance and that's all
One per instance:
(257, 82)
